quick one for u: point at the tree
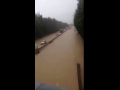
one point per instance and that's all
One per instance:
(79, 18)
(45, 26)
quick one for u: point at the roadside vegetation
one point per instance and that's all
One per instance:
(79, 18)
(45, 26)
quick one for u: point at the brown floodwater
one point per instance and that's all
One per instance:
(56, 63)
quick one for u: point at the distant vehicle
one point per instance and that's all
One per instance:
(61, 31)
(36, 46)
(43, 42)
(57, 34)
(36, 49)
(66, 28)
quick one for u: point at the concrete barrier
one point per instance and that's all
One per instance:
(50, 41)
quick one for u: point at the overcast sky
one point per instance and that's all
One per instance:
(62, 10)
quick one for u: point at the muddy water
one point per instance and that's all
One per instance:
(56, 63)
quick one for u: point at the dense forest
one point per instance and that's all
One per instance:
(79, 18)
(45, 26)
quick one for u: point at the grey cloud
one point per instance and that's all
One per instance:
(62, 10)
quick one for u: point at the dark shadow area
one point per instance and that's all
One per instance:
(79, 76)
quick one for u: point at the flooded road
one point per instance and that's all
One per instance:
(56, 63)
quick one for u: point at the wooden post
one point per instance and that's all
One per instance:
(79, 76)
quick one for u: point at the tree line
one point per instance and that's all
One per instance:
(45, 26)
(79, 18)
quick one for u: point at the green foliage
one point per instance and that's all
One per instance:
(45, 26)
(79, 18)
